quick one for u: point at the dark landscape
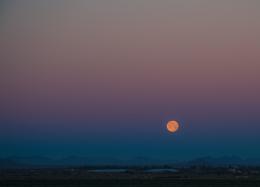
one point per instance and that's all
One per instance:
(200, 172)
(132, 176)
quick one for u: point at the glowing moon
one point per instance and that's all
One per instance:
(173, 126)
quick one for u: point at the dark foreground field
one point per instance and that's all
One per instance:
(135, 183)
(134, 177)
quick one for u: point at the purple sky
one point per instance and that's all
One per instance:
(102, 77)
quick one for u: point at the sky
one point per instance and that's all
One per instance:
(103, 77)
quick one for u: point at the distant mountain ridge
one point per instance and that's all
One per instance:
(223, 161)
(40, 161)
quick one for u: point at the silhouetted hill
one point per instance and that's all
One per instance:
(9, 164)
(34, 160)
(222, 161)
(39, 161)
(79, 161)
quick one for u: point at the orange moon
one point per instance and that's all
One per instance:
(173, 126)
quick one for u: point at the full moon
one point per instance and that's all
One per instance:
(173, 126)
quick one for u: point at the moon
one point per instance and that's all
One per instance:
(173, 126)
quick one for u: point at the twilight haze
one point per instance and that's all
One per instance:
(103, 77)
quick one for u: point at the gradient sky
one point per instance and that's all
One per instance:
(102, 77)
